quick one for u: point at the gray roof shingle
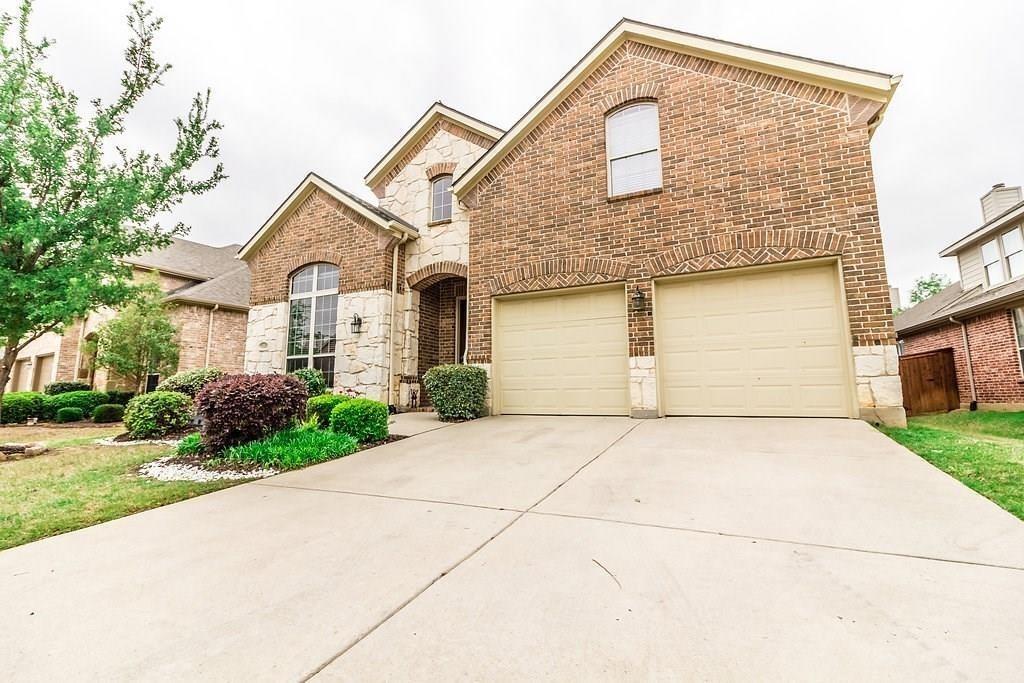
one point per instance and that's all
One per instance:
(191, 259)
(954, 301)
(230, 289)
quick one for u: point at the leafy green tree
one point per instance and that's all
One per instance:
(72, 202)
(927, 286)
(139, 340)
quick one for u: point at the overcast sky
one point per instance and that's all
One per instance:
(330, 86)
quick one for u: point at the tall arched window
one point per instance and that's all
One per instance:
(441, 198)
(313, 319)
(634, 149)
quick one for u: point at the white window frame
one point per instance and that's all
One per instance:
(1018, 335)
(610, 160)
(312, 295)
(434, 207)
(1003, 260)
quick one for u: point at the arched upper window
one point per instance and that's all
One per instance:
(634, 149)
(441, 198)
(313, 319)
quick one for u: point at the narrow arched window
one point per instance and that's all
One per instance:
(441, 198)
(634, 149)
(313, 319)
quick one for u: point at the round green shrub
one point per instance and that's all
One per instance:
(322, 405)
(157, 414)
(108, 412)
(191, 444)
(457, 392)
(55, 388)
(70, 414)
(18, 406)
(190, 382)
(120, 397)
(237, 409)
(85, 400)
(362, 419)
(314, 380)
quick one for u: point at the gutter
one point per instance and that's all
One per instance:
(970, 362)
(391, 321)
(209, 335)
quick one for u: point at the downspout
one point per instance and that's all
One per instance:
(391, 326)
(970, 362)
(209, 334)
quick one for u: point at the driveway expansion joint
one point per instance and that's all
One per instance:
(386, 497)
(782, 541)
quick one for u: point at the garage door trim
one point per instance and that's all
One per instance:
(852, 402)
(620, 286)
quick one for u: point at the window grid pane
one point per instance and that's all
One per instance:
(632, 131)
(1018, 324)
(302, 281)
(990, 252)
(325, 364)
(994, 273)
(441, 199)
(294, 364)
(1016, 264)
(636, 173)
(325, 324)
(298, 327)
(327, 277)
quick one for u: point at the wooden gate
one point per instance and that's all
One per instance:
(929, 382)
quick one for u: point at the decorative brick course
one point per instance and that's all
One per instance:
(997, 371)
(756, 169)
(631, 93)
(435, 272)
(443, 168)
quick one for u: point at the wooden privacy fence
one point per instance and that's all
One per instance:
(929, 382)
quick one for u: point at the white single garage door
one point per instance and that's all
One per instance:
(762, 342)
(562, 354)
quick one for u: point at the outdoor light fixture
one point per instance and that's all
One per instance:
(356, 324)
(639, 299)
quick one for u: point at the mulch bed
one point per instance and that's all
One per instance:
(391, 439)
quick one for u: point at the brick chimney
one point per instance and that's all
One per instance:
(999, 199)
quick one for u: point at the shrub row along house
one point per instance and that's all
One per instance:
(981, 317)
(680, 226)
(207, 290)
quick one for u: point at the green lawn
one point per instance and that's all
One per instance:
(78, 483)
(984, 450)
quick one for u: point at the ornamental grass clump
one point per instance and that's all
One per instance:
(291, 448)
(237, 409)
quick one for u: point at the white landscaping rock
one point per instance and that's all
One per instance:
(164, 470)
(109, 441)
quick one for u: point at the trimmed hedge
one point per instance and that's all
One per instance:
(362, 419)
(70, 414)
(120, 397)
(457, 392)
(157, 413)
(322, 405)
(237, 409)
(190, 382)
(84, 400)
(314, 380)
(55, 388)
(18, 406)
(108, 412)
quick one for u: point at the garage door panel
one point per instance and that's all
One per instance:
(563, 354)
(768, 343)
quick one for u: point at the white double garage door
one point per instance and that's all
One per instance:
(768, 341)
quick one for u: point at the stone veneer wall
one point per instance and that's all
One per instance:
(879, 390)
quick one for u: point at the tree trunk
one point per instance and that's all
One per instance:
(6, 368)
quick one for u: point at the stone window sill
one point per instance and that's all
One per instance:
(634, 195)
(446, 221)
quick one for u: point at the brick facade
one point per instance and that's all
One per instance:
(996, 365)
(226, 337)
(322, 229)
(756, 169)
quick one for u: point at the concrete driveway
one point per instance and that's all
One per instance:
(556, 548)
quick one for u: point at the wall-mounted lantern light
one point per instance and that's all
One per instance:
(356, 324)
(639, 300)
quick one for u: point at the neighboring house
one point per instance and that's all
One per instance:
(208, 290)
(981, 317)
(680, 226)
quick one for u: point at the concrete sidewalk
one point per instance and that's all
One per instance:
(551, 548)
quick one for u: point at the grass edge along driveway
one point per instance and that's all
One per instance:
(984, 450)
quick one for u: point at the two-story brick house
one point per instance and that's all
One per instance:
(680, 226)
(981, 317)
